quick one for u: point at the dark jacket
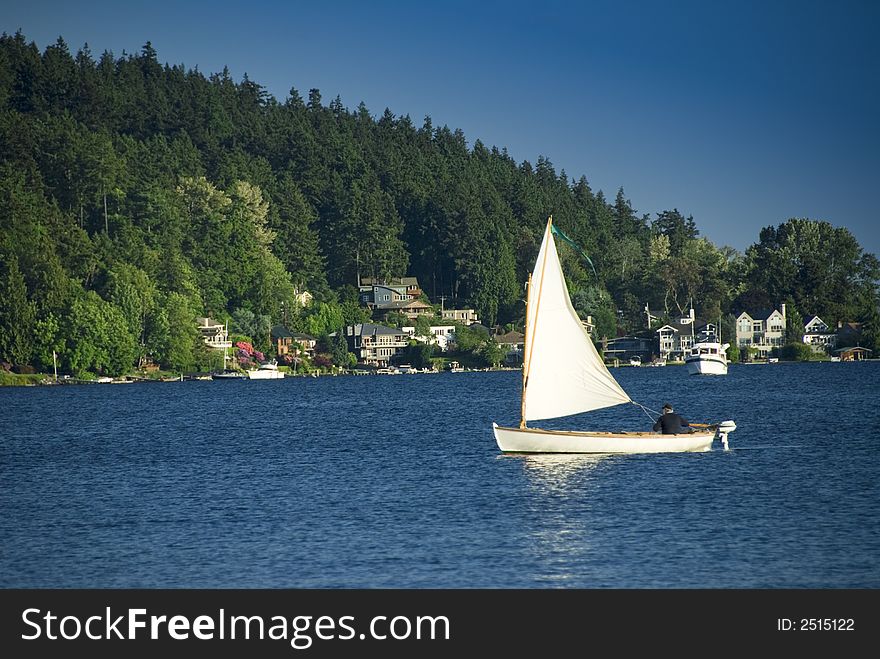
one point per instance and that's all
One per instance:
(672, 424)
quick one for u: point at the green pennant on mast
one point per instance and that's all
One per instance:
(558, 232)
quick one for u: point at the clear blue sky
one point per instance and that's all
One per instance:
(741, 114)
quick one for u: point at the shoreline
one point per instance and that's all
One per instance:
(9, 379)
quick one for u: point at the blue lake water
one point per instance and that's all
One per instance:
(374, 482)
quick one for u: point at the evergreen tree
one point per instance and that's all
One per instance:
(17, 314)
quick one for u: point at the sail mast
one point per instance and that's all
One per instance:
(529, 342)
(525, 367)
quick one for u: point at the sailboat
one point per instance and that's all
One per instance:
(227, 374)
(563, 374)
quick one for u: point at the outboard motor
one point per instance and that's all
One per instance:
(724, 429)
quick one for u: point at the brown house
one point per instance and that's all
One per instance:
(286, 342)
(853, 354)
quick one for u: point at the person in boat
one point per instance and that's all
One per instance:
(671, 423)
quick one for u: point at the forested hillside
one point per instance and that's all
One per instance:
(136, 196)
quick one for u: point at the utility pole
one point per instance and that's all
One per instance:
(648, 314)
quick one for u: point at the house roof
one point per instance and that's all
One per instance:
(760, 314)
(402, 304)
(854, 349)
(394, 281)
(371, 329)
(510, 338)
(384, 287)
(629, 342)
(281, 332)
(303, 337)
(684, 328)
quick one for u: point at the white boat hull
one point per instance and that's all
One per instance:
(535, 440)
(706, 366)
(265, 375)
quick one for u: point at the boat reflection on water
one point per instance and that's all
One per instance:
(558, 472)
(558, 494)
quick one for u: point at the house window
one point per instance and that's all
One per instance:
(757, 326)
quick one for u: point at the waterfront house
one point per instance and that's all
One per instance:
(214, 334)
(306, 342)
(382, 293)
(623, 348)
(375, 345)
(302, 298)
(675, 338)
(761, 330)
(512, 344)
(374, 291)
(463, 316)
(440, 335)
(412, 309)
(818, 335)
(853, 354)
(286, 342)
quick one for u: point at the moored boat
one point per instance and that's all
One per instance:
(229, 375)
(267, 371)
(707, 358)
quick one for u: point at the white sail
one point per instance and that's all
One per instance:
(563, 372)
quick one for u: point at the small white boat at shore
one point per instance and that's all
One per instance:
(267, 371)
(229, 375)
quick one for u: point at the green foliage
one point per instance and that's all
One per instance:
(595, 302)
(178, 339)
(322, 318)
(172, 195)
(491, 352)
(418, 355)
(256, 327)
(98, 338)
(47, 339)
(870, 337)
(396, 319)
(796, 352)
(820, 268)
(733, 354)
(423, 326)
(467, 339)
(17, 314)
(338, 351)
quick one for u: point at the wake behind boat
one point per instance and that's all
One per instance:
(563, 374)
